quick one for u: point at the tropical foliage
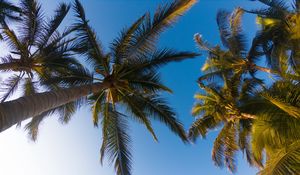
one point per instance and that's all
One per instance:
(133, 83)
(258, 116)
(255, 107)
(125, 83)
(38, 54)
(8, 13)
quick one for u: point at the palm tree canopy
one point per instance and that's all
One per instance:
(279, 34)
(261, 120)
(223, 106)
(40, 56)
(130, 69)
(125, 82)
(233, 56)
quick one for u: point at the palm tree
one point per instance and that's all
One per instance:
(262, 122)
(279, 34)
(275, 130)
(38, 54)
(235, 57)
(223, 106)
(126, 82)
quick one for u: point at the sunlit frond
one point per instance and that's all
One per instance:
(284, 161)
(164, 17)
(202, 125)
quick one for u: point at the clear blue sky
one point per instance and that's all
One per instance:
(73, 149)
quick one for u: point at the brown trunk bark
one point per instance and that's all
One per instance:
(15, 111)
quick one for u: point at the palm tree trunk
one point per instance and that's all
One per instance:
(15, 111)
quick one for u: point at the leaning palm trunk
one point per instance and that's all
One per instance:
(15, 111)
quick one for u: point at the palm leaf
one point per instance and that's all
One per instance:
(51, 27)
(164, 17)
(116, 142)
(32, 21)
(29, 87)
(202, 125)
(10, 86)
(225, 147)
(156, 60)
(284, 161)
(136, 109)
(121, 45)
(158, 109)
(33, 126)
(87, 42)
(8, 11)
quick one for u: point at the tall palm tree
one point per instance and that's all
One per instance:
(274, 134)
(264, 123)
(235, 57)
(39, 53)
(223, 106)
(126, 82)
(279, 35)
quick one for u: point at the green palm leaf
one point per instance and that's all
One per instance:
(284, 161)
(116, 141)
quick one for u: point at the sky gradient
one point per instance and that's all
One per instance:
(73, 149)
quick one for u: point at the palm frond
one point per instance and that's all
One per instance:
(9, 11)
(116, 142)
(284, 161)
(33, 126)
(288, 108)
(66, 74)
(156, 60)
(164, 17)
(8, 63)
(249, 87)
(277, 4)
(158, 109)
(13, 41)
(121, 44)
(65, 112)
(149, 83)
(96, 101)
(231, 31)
(10, 86)
(29, 87)
(32, 21)
(225, 146)
(87, 42)
(51, 27)
(296, 5)
(136, 109)
(273, 130)
(201, 126)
